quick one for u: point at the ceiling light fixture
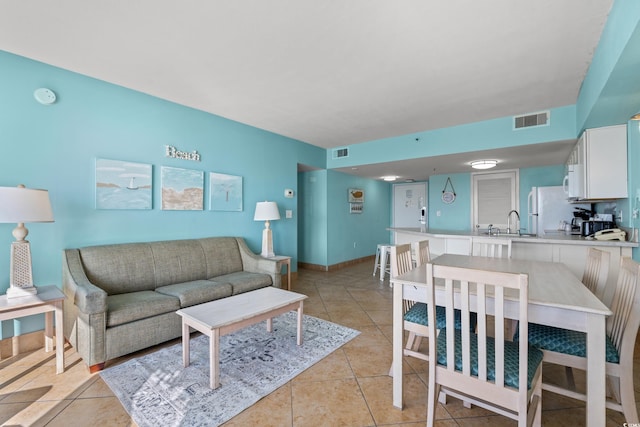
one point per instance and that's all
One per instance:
(484, 164)
(635, 116)
(390, 178)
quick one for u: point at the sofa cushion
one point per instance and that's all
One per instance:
(178, 261)
(197, 292)
(124, 308)
(244, 281)
(120, 268)
(222, 255)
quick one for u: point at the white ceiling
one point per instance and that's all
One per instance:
(330, 73)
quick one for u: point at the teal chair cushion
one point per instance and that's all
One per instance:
(418, 314)
(511, 353)
(565, 341)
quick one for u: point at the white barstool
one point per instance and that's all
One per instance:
(383, 253)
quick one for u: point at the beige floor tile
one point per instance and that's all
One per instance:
(30, 413)
(379, 394)
(103, 411)
(381, 317)
(334, 366)
(369, 361)
(330, 403)
(351, 318)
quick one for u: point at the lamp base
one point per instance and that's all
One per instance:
(267, 244)
(16, 292)
(20, 275)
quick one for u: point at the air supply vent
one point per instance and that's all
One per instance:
(339, 153)
(531, 120)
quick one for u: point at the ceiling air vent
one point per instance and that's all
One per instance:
(339, 153)
(530, 120)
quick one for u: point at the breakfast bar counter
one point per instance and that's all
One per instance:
(570, 250)
(553, 238)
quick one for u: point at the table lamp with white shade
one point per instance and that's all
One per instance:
(22, 205)
(267, 211)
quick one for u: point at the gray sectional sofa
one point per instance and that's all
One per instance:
(122, 298)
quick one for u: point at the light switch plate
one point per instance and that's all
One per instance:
(288, 213)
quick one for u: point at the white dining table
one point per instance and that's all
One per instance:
(556, 298)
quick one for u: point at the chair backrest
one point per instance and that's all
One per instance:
(596, 271)
(490, 289)
(493, 247)
(422, 254)
(622, 325)
(400, 259)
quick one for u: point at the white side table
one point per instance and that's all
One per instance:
(48, 300)
(284, 260)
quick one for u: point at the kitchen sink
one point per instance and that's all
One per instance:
(510, 234)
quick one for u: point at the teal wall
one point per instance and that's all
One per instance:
(610, 92)
(633, 202)
(55, 147)
(312, 201)
(487, 135)
(454, 216)
(329, 233)
(353, 236)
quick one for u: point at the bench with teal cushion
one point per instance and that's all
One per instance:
(565, 341)
(511, 353)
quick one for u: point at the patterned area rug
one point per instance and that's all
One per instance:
(156, 390)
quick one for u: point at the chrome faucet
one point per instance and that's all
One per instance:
(509, 221)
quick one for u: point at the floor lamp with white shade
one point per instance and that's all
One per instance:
(267, 211)
(21, 205)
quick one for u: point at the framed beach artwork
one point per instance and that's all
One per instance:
(123, 185)
(225, 192)
(182, 189)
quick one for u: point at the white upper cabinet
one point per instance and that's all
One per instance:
(597, 167)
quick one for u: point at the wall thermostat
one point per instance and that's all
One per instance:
(44, 96)
(288, 193)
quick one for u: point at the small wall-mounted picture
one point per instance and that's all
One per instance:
(225, 192)
(123, 185)
(356, 195)
(182, 189)
(356, 208)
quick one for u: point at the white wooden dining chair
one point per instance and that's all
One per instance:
(421, 251)
(401, 263)
(596, 272)
(414, 314)
(568, 348)
(485, 370)
(493, 247)
(594, 277)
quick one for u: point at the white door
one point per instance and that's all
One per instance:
(410, 205)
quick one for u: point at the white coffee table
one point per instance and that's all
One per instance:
(226, 315)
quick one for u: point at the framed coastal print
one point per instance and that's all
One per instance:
(123, 185)
(182, 189)
(356, 195)
(225, 192)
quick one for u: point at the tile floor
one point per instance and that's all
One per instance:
(348, 388)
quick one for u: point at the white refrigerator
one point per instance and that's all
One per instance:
(548, 208)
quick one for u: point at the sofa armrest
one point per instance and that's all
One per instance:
(256, 264)
(89, 298)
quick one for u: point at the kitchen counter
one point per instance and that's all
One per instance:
(570, 250)
(551, 238)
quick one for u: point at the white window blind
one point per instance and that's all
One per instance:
(494, 200)
(494, 195)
